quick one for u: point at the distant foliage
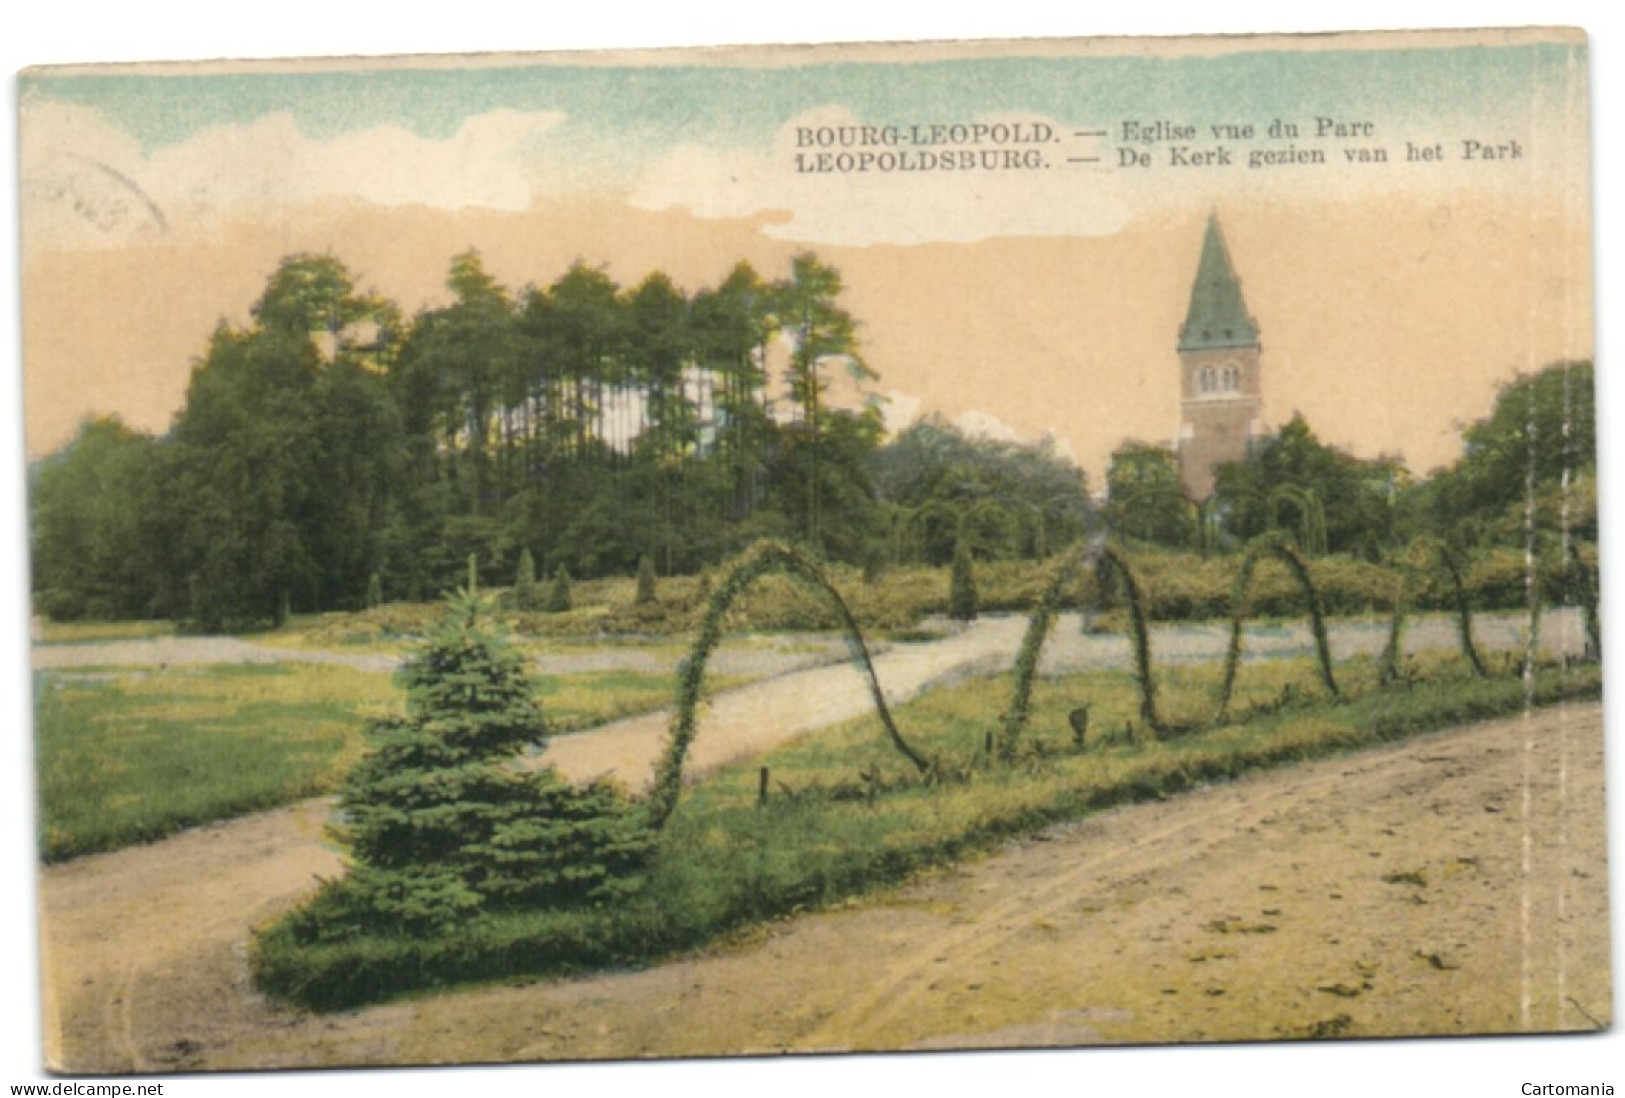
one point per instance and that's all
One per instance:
(1144, 497)
(1544, 425)
(1322, 497)
(375, 591)
(441, 826)
(962, 585)
(1011, 500)
(332, 438)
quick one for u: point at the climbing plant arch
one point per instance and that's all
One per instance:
(760, 559)
(905, 521)
(1196, 513)
(1311, 514)
(1586, 576)
(1068, 567)
(956, 515)
(1276, 546)
(1000, 512)
(1429, 554)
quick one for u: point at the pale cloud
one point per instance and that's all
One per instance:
(902, 410)
(74, 184)
(985, 425)
(270, 161)
(1060, 445)
(87, 182)
(880, 206)
(899, 411)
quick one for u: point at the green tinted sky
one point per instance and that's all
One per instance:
(743, 105)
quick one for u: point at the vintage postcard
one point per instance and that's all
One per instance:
(605, 556)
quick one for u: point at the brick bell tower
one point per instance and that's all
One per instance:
(1221, 395)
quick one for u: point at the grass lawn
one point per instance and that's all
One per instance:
(94, 632)
(130, 755)
(127, 756)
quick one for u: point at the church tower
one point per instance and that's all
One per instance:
(1221, 396)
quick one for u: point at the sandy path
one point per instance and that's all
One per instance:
(1068, 649)
(747, 655)
(1452, 884)
(168, 652)
(759, 716)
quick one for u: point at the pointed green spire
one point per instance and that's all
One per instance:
(1217, 316)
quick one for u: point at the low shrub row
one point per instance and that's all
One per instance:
(1178, 586)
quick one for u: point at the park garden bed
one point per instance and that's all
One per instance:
(843, 814)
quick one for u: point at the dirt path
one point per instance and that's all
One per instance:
(1452, 884)
(746, 655)
(166, 652)
(1069, 648)
(762, 715)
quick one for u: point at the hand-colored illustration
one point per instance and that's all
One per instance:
(877, 547)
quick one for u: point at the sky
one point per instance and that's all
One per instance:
(102, 31)
(1039, 298)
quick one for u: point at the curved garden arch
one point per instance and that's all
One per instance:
(1196, 512)
(1070, 566)
(761, 558)
(1447, 559)
(1587, 579)
(905, 520)
(958, 515)
(1276, 546)
(1311, 514)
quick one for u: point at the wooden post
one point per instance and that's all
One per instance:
(761, 788)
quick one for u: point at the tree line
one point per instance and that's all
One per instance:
(1527, 475)
(334, 451)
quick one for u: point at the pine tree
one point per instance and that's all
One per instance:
(962, 585)
(646, 594)
(558, 595)
(524, 583)
(441, 826)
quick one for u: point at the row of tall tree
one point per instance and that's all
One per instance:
(333, 451)
(332, 440)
